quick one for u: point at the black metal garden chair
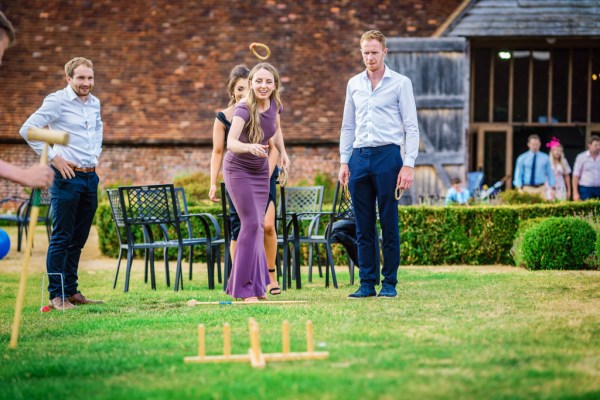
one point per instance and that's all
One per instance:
(213, 242)
(156, 206)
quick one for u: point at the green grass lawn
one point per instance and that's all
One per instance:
(453, 332)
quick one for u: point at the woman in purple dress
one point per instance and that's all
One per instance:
(246, 175)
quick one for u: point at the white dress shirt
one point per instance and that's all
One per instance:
(386, 115)
(587, 169)
(64, 111)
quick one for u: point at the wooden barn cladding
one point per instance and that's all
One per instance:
(161, 66)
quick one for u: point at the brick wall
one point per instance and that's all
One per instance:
(161, 68)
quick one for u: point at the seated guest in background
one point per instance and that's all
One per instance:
(344, 232)
(586, 172)
(562, 172)
(457, 194)
(533, 170)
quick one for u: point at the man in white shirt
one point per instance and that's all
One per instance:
(586, 172)
(75, 190)
(379, 117)
(36, 176)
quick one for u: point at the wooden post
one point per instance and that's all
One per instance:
(33, 219)
(226, 339)
(285, 337)
(201, 344)
(257, 359)
(310, 345)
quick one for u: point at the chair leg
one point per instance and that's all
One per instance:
(118, 266)
(178, 273)
(19, 236)
(286, 267)
(319, 264)
(167, 274)
(152, 274)
(146, 261)
(128, 270)
(226, 267)
(191, 260)
(332, 267)
(218, 257)
(210, 264)
(310, 262)
(350, 268)
(297, 265)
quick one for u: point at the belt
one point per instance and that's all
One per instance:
(536, 186)
(84, 169)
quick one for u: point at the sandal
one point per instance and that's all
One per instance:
(274, 291)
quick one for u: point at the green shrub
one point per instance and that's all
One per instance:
(517, 248)
(558, 243)
(512, 197)
(196, 187)
(476, 235)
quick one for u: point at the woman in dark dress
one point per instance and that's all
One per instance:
(246, 173)
(237, 87)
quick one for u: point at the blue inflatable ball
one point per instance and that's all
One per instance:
(4, 244)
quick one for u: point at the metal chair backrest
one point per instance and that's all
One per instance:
(115, 207)
(300, 200)
(152, 204)
(342, 203)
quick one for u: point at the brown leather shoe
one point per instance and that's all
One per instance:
(78, 298)
(58, 303)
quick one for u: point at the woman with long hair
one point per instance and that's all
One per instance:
(562, 170)
(246, 172)
(237, 88)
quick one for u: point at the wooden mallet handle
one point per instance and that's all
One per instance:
(48, 136)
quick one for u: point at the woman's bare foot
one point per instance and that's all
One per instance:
(252, 299)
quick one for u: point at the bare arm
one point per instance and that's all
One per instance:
(568, 183)
(273, 156)
(234, 144)
(36, 176)
(576, 196)
(280, 145)
(216, 158)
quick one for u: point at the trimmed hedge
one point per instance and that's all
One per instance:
(517, 248)
(475, 235)
(558, 243)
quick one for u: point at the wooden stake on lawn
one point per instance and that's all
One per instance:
(48, 137)
(255, 355)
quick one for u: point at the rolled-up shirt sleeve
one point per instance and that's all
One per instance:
(99, 135)
(44, 116)
(348, 128)
(408, 113)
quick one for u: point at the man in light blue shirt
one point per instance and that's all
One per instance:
(533, 170)
(75, 189)
(380, 116)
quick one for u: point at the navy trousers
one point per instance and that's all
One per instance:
(74, 203)
(589, 192)
(373, 176)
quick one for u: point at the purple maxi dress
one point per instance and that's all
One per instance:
(247, 180)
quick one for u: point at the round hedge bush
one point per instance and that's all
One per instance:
(558, 243)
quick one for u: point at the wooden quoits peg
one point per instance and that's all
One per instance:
(255, 355)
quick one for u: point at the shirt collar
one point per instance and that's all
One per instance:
(386, 72)
(72, 96)
(71, 93)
